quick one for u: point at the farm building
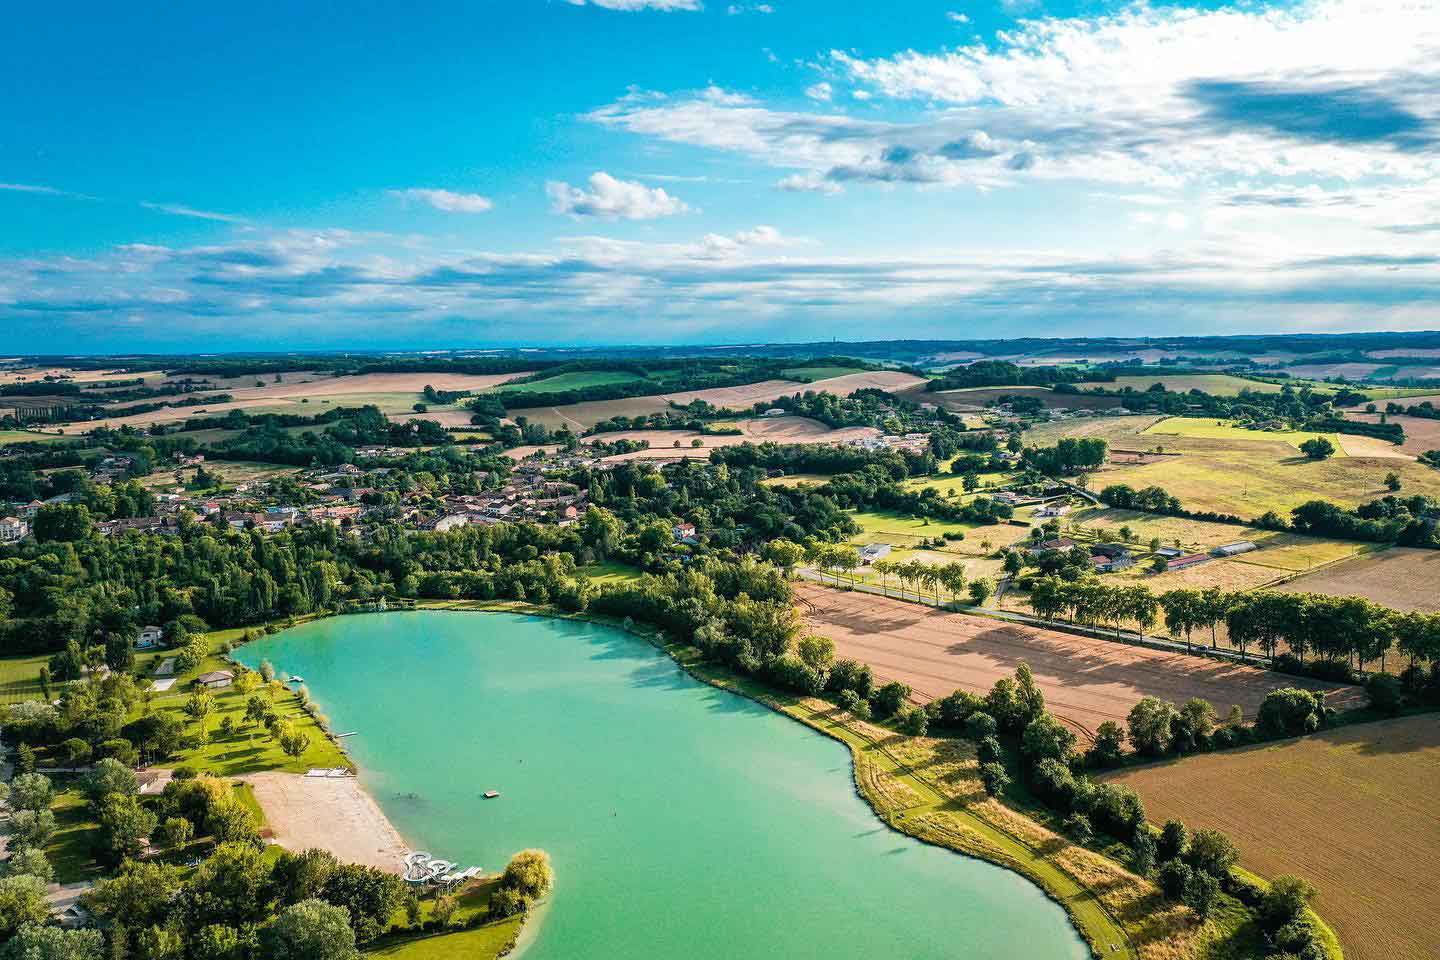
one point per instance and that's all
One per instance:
(1234, 549)
(872, 552)
(1109, 564)
(1059, 543)
(1169, 553)
(1188, 560)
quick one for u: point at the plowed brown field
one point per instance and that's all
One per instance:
(1086, 681)
(1351, 810)
(1402, 577)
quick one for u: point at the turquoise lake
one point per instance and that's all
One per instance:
(683, 821)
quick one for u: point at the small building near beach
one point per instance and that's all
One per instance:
(215, 679)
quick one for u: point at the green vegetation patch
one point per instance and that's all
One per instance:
(1212, 429)
(818, 373)
(574, 380)
(1215, 384)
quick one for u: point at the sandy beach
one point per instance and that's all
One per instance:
(334, 814)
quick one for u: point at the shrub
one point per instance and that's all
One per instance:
(1211, 852)
(1200, 892)
(958, 707)
(1285, 901)
(1078, 826)
(994, 778)
(529, 872)
(888, 700)
(988, 750)
(1174, 874)
(915, 722)
(1174, 841)
(1291, 711)
(1385, 692)
(980, 725)
(1054, 782)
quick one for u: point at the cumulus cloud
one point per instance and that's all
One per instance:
(955, 16)
(447, 200)
(808, 183)
(821, 91)
(613, 199)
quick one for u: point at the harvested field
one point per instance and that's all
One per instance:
(756, 430)
(1215, 384)
(1421, 433)
(975, 398)
(1121, 431)
(1351, 810)
(582, 416)
(1402, 577)
(393, 392)
(1086, 681)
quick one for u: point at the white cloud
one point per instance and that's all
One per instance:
(447, 200)
(955, 16)
(32, 188)
(808, 183)
(180, 210)
(821, 91)
(613, 199)
(633, 5)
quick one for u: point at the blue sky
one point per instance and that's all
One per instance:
(667, 171)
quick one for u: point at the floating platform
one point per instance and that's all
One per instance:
(491, 794)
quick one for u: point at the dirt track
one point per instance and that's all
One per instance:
(1085, 681)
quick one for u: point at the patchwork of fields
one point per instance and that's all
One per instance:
(1351, 810)
(680, 444)
(582, 416)
(975, 398)
(1215, 384)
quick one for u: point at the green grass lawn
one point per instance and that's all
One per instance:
(20, 678)
(480, 943)
(610, 571)
(569, 381)
(71, 850)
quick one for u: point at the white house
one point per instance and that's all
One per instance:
(150, 637)
(872, 552)
(12, 529)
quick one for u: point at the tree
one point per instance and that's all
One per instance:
(302, 876)
(1047, 738)
(1200, 892)
(139, 895)
(915, 722)
(444, 910)
(994, 778)
(218, 942)
(784, 554)
(1212, 852)
(1317, 448)
(1392, 482)
(30, 791)
(370, 896)
(30, 862)
(310, 930)
(1151, 723)
(199, 707)
(109, 776)
(529, 872)
(1174, 841)
(980, 591)
(294, 743)
(125, 825)
(35, 942)
(1285, 901)
(888, 700)
(267, 671)
(75, 752)
(174, 832)
(22, 901)
(34, 828)
(1108, 746)
(1143, 851)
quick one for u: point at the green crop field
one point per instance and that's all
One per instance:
(25, 436)
(569, 381)
(1215, 384)
(817, 373)
(1211, 429)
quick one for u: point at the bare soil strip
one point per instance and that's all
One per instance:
(1086, 681)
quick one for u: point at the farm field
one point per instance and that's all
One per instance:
(582, 416)
(975, 398)
(26, 436)
(1351, 810)
(1086, 681)
(1217, 430)
(1122, 431)
(392, 392)
(819, 373)
(1246, 478)
(1405, 578)
(1421, 433)
(754, 430)
(574, 380)
(1215, 384)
